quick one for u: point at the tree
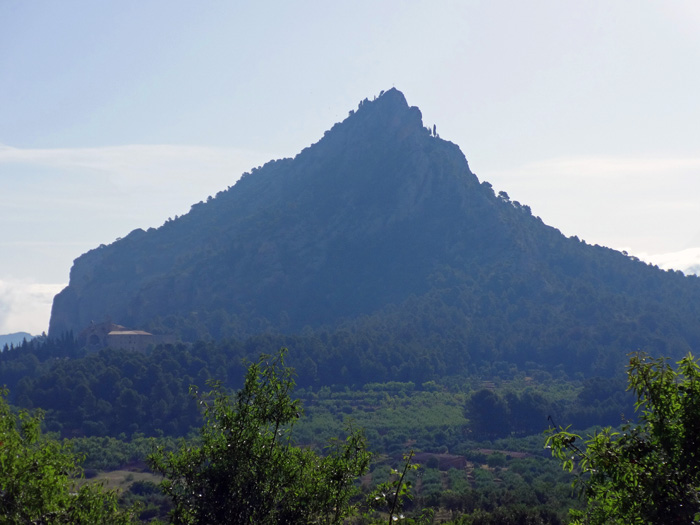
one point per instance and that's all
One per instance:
(488, 414)
(528, 411)
(390, 497)
(38, 478)
(247, 469)
(648, 472)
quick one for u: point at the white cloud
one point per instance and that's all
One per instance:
(616, 167)
(646, 204)
(687, 261)
(25, 306)
(141, 165)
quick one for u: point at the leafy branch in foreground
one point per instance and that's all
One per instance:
(391, 495)
(649, 472)
(247, 469)
(38, 478)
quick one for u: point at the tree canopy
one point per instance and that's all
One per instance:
(648, 472)
(247, 469)
(38, 478)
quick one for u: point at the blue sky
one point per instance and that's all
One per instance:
(118, 115)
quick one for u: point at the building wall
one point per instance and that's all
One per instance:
(137, 342)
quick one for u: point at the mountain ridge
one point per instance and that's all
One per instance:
(15, 338)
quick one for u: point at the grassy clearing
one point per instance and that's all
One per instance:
(121, 480)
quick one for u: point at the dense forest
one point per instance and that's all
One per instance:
(111, 391)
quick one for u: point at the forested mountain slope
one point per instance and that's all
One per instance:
(380, 230)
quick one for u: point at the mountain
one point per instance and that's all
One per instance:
(14, 339)
(382, 226)
(350, 224)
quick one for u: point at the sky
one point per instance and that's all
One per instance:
(119, 115)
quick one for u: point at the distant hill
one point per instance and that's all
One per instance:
(14, 339)
(382, 228)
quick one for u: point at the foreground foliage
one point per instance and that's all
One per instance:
(650, 472)
(247, 470)
(38, 478)
(492, 487)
